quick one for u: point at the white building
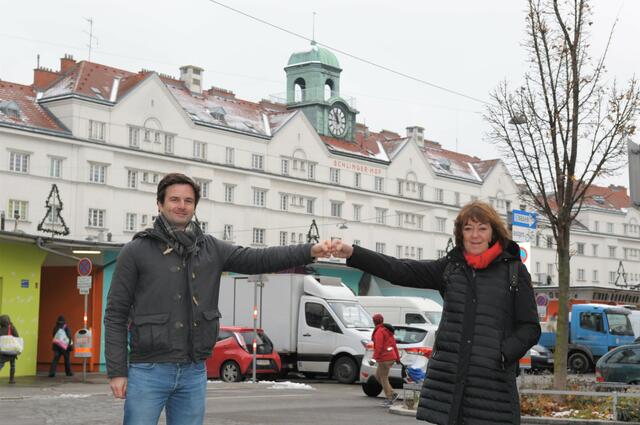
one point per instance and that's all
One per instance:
(106, 136)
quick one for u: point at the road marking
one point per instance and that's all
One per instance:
(261, 396)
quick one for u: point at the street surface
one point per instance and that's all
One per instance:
(39, 400)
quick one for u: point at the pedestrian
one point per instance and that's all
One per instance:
(489, 319)
(165, 292)
(62, 346)
(7, 328)
(385, 353)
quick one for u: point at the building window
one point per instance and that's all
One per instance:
(227, 233)
(168, 144)
(204, 188)
(595, 276)
(18, 208)
(228, 193)
(420, 191)
(399, 251)
(357, 180)
(199, 150)
(594, 248)
(96, 130)
(381, 215)
(55, 167)
(258, 236)
(334, 175)
(312, 172)
(336, 209)
(132, 179)
(284, 201)
(310, 206)
(581, 275)
(378, 184)
(155, 178)
(550, 269)
(420, 253)
(283, 238)
(257, 162)
(596, 226)
(259, 197)
(204, 225)
(356, 242)
(130, 222)
(97, 173)
(134, 137)
(357, 212)
(156, 137)
(441, 253)
(381, 247)
(285, 167)
(19, 162)
(420, 220)
(612, 277)
(456, 198)
(609, 227)
(229, 156)
(549, 241)
(96, 217)
(440, 224)
(612, 252)
(439, 193)
(580, 248)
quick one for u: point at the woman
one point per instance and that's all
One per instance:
(489, 319)
(61, 347)
(7, 328)
(385, 353)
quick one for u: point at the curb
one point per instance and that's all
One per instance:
(528, 420)
(401, 410)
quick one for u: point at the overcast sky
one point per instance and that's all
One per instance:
(467, 46)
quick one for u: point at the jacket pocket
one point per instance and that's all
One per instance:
(151, 333)
(207, 331)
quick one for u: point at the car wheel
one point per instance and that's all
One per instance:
(372, 387)
(345, 370)
(579, 362)
(230, 371)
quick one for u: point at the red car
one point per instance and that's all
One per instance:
(232, 357)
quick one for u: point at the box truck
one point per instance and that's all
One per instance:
(315, 322)
(403, 310)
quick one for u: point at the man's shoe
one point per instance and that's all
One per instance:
(12, 381)
(394, 397)
(386, 403)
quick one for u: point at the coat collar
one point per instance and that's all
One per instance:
(510, 252)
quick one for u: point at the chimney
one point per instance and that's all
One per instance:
(192, 78)
(43, 77)
(66, 62)
(416, 133)
(217, 91)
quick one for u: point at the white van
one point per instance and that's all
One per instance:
(403, 310)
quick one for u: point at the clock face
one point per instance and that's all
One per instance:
(337, 121)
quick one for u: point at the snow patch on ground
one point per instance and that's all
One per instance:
(290, 386)
(74, 395)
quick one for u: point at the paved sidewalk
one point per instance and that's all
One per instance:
(42, 385)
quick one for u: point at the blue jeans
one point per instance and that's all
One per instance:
(179, 387)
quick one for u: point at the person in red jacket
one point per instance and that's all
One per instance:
(385, 353)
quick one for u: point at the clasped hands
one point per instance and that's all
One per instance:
(334, 247)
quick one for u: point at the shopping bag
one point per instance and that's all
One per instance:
(11, 345)
(61, 339)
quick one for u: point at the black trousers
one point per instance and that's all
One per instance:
(12, 365)
(54, 362)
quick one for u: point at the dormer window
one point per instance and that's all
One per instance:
(218, 113)
(445, 164)
(599, 199)
(10, 109)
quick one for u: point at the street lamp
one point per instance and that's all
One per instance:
(342, 226)
(258, 280)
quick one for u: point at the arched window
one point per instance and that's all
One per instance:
(299, 160)
(152, 130)
(328, 89)
(299, 87)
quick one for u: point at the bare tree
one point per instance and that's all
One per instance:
(562, 129)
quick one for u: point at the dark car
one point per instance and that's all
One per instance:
(541, 358)
(622, 364)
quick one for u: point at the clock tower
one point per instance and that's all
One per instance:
(313, 85)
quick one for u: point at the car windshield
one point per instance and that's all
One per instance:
(263, 342)
(409, 335)
(433, 316)
(352, 315)
(619, 324)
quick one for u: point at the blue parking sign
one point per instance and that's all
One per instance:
(524, 219)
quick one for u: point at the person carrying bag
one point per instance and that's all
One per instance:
(11, 344)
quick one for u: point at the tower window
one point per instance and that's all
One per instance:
(299, 87)
(328, 89)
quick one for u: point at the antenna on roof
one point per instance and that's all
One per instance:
(313, 29)
(91, 36)
(38, 61)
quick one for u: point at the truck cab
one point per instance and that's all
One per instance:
(594, 329)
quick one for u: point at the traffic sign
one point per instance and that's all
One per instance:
(542, 300)
(522, 218)
(525, 253)
(84, 282)
(85, 267)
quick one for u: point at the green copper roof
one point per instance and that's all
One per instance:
(316, 54)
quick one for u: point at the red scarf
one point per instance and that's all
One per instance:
(481, 261)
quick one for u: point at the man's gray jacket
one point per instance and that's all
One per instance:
(168, 306)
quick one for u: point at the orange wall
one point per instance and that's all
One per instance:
(59, 295)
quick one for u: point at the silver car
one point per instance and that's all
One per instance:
(415, 344)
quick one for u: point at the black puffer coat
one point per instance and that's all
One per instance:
(483, 322)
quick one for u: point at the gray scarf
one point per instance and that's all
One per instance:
(184, 242)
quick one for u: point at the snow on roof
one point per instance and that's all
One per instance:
(21, 108)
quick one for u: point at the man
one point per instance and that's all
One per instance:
(385, 352)
(164, 295)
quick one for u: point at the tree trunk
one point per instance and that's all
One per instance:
(562, 330)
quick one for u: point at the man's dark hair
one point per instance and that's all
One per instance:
(176, 178)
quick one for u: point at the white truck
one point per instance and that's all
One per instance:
(403, 310)
(315, 322)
